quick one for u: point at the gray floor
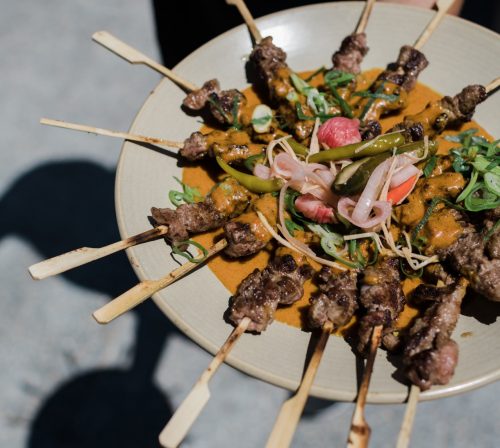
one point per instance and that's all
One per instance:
(65, 381)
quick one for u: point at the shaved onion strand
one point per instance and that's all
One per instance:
(314, 146)
(285, 243)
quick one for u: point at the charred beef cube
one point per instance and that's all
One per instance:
(430, 355)
(198, 99)
(404, 72)
(351, 53)
(258, 296)
(336, 301)
(382, 298)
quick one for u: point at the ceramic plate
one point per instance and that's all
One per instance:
(459, 52)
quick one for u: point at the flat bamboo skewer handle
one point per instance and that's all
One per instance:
(145, 289)
(407, 425)
(493, 85)
(291, 410)
(359, 435)
(363, 21)
(84, 255)
(134, 56)
(186, 414)
(247, 17)
(442, 8)
(109, 133)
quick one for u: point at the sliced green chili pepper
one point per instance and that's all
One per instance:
(376, 146)
(253, 183)
(184, 253)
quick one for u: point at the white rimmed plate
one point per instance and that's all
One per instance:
(459, 52)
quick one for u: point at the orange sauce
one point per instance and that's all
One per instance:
(232, 272)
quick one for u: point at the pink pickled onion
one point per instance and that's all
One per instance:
(403, 175)
(262, 171)
(382, 210)
(314, 209)
(365, 202)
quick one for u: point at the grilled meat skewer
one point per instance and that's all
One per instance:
(382, 299)
(336, 301)
(430, 355)
(281, 282)
(448, 112)
(225, 201)
(476, 256)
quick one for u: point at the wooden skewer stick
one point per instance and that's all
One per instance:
(145, 289)
(359, 435)
(363, 21)
(411, 408)
(186, 414)
(134, 56)
(493, 85)
(407, 425)
(291, 410)
(109, 133)
(247, 17)
(84, 255)
(442, 8)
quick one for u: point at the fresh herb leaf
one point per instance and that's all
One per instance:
(251, 161)
(302, 116)
(316, 73)
(342, 103)
(429, 166)
(337, 78)
(292, 226)
(430, 210)
(214, 101)
(371, 100)
(376, 95)
(188, 194)
(459, 138)
(490, 232)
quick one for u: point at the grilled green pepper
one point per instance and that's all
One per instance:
(377, 146)
(253, 183)
(298, 148)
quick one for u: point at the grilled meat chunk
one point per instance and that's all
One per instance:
(351, 53)
(226, 200)
(246, 235)
(404, 72)
(226, 104)
(337, 298)
(448, 112)
(187, 219)
(435, 272)
(430, 356)
(195, 147)
(370, 129)
(469, 257)
(222, 104)
(382, 299)
(198, 99)
(268, 59)
(258, 296)
(233, 146)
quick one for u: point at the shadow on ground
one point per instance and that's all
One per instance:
(58, 207)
